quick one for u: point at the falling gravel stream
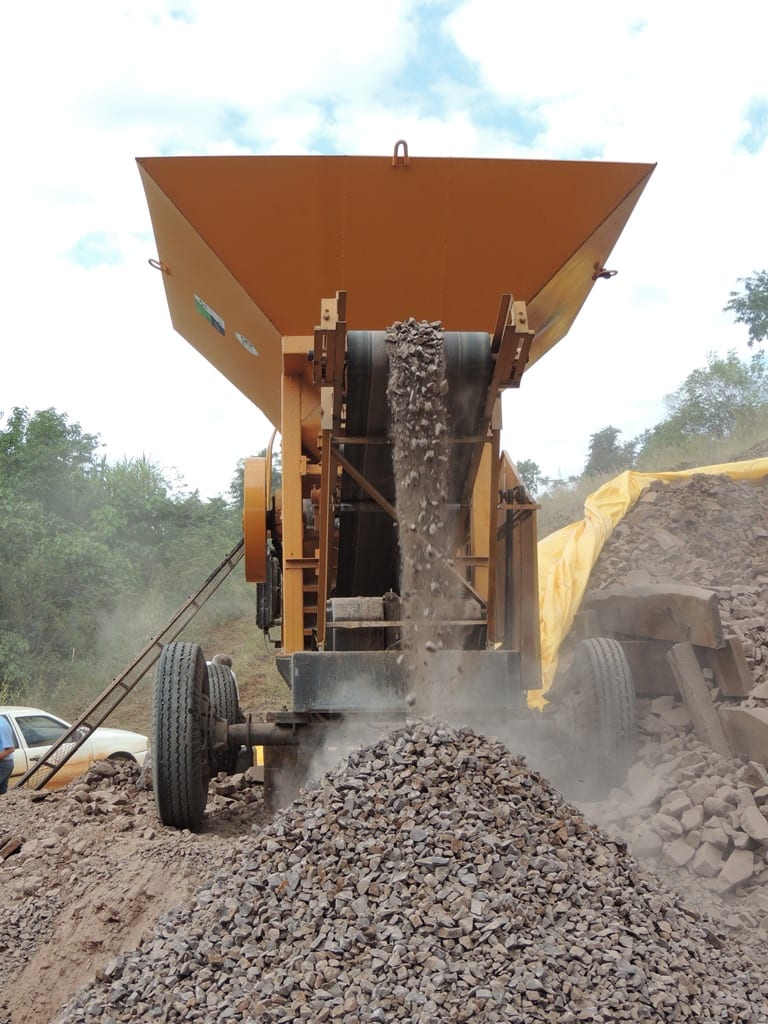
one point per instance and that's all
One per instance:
(420, 432)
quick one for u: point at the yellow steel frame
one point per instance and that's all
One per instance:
(246, 245)
(316, 384)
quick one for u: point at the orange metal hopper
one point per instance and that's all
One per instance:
(250, 245)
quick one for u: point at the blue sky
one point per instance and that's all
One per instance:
(96, 83)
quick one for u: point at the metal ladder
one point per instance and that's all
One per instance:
(41, 773)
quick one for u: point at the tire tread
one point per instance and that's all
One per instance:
(180, 776)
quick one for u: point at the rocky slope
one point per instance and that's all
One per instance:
(91, 869)
(690, 813)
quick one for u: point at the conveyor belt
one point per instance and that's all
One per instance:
(369, 559)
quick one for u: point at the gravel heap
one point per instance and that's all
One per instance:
(707, 531)
(684, 809)
(430, 877)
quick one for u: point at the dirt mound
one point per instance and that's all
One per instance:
(697, 818)
(708, 531)
(758, 451)
(93, 870)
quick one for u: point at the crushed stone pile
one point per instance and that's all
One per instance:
(695, 817)
(707, 531)
(687, 808)
(431, 876)
(425, 881)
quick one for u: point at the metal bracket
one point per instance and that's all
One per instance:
(511, 344)
(331, 342)
(601, 274)
(510, 348)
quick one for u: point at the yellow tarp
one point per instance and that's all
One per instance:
(567, 556)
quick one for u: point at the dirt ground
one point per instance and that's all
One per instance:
(95, 869)
(86, 871)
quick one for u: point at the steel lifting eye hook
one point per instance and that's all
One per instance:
(602, 273)
(404, 161)
(159, 265)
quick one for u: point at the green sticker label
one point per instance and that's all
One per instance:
(212, 317)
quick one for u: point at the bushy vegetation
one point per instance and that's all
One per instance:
(717, 414)
(719, 410)
(94, 558)
(750, 306)
(564, 505)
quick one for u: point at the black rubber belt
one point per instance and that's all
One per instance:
(369, 559)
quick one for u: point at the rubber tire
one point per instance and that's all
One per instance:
(226, 705)
(606, 734)
(180, 769)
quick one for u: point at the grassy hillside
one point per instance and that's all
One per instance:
(261, 687)
(567, 505)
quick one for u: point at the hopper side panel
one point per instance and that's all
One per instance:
(555, 307)
(441, 239)
(196, 277)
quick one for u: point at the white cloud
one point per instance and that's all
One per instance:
(651, 82)
(94, 85)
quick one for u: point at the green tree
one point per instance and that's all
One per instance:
(715, 399)
(84, 543)
(607, 455)
(136, 508)
(750, 306)
(46, 458)
(236, 486)
(531, 475)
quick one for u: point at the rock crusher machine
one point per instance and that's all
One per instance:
(284, 273)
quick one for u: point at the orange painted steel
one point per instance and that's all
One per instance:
(249, 245)
(251, 251)
(256, 472)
